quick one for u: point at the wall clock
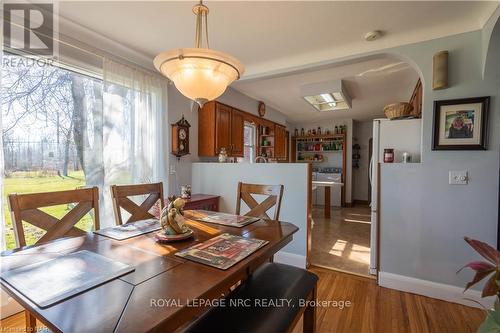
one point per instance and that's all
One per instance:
(180, 137)
(262, 109)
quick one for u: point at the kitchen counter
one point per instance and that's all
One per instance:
(327, 185)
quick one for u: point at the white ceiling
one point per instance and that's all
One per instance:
(372, 84)
(274, 38)
(269, 36)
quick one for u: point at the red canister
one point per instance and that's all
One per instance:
(388, 155)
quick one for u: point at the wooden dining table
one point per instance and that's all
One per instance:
(163, 294)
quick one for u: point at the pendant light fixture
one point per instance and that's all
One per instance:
(199, 73)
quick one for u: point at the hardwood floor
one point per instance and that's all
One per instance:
(16, 323)
(372, 309)
(377, 309)
(342, 241)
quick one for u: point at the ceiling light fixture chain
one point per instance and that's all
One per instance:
(201, 74)
(201, 12)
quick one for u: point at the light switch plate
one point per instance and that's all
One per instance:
(458, 177)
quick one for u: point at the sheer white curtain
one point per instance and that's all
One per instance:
(135, 129)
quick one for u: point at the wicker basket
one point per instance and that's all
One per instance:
(398, 110)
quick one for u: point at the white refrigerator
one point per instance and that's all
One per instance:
(402, 136)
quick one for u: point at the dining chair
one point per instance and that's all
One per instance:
(246, 193)
(26, 207)
(121, 199)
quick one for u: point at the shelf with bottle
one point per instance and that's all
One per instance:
(322, 137)
(318, 158)
(319, 151)
(266, 131)
(328, 146)
(339, 130)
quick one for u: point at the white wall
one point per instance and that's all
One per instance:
(223, 178)
(331, 126)
(243, 102)
(179, 105)
(362, 132)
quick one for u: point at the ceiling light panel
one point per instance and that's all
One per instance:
(327, 96)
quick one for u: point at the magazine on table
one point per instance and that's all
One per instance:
(131, 229)
(220, 218)
(222, 251)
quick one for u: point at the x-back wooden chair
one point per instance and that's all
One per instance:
(25, 207)
(121, 193)
(274, 193)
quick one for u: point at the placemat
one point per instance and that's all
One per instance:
(222, 251)
(231, 220)
(48, 282)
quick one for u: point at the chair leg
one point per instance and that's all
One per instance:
(310, 315)
(30, 321)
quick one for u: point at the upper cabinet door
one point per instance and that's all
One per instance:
(279, 142)
(237, 128)
(223, 128)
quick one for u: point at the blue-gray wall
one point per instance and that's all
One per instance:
(423, 218)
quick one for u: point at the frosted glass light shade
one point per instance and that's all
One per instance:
(199, 74)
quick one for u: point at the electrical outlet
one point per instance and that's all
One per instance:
(458, 177)
(172, 169)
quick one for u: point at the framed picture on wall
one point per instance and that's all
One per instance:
(460, 124)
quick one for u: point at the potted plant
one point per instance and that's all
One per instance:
(487, 269)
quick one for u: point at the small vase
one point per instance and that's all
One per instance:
(223, 155)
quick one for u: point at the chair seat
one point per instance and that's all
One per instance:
(272, 282)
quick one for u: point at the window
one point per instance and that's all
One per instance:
(249, 143)
(47, 116)
(62, 129)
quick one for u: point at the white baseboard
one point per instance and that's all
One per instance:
(437, 290)
(291, 259)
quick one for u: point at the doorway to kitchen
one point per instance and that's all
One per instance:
(344, 229)
(341, 240)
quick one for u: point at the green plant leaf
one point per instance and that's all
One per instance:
(491, 324)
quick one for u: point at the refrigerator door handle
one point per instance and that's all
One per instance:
(370, 170)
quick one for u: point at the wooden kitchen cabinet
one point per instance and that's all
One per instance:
(280, 142)
(237, 130)
(220, 126)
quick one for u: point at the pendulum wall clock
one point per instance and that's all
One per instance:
(180, 138)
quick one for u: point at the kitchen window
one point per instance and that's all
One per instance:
(249, 143)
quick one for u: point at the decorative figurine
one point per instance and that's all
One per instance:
(172, 222)
(186, 191)
(223, 155)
